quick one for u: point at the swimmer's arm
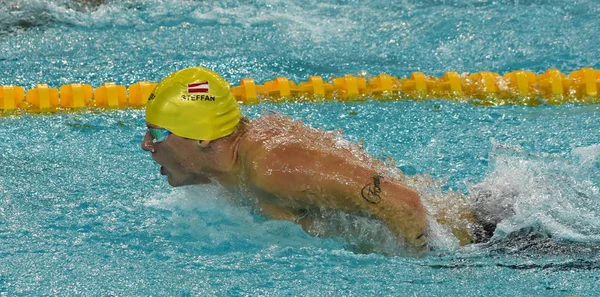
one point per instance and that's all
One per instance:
(275, 212)
(304, 179)
(401, 209)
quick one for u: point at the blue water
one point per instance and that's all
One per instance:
(83, 211)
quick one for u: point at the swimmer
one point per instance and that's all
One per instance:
(197, 134)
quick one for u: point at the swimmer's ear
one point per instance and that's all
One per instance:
(203, 143)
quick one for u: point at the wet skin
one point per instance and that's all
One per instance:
(293, 170)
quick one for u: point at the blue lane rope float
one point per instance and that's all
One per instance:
(481, 88)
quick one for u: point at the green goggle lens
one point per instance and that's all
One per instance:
(159, 134)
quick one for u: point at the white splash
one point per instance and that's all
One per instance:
(553, 194)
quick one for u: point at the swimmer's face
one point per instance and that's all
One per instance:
(181, 159)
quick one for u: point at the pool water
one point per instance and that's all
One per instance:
(84, 211)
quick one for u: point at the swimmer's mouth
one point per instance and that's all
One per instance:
(163, 171)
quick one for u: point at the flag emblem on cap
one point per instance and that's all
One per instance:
(199, 87)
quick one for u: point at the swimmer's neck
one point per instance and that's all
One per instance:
(229, 170)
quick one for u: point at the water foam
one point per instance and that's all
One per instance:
(557, 196)
(216, 222)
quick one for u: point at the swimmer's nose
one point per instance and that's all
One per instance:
(147, 143)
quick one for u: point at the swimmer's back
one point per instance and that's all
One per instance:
(295, 167)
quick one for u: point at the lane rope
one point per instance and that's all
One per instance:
(482, 88)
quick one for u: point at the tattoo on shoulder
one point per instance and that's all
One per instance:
(372, 192)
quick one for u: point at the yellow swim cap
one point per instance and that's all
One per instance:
(194, 103)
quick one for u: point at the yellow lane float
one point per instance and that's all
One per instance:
(483, 88)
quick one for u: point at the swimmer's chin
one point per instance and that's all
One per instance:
(179, 183)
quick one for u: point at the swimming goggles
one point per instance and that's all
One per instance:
(159, 134)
